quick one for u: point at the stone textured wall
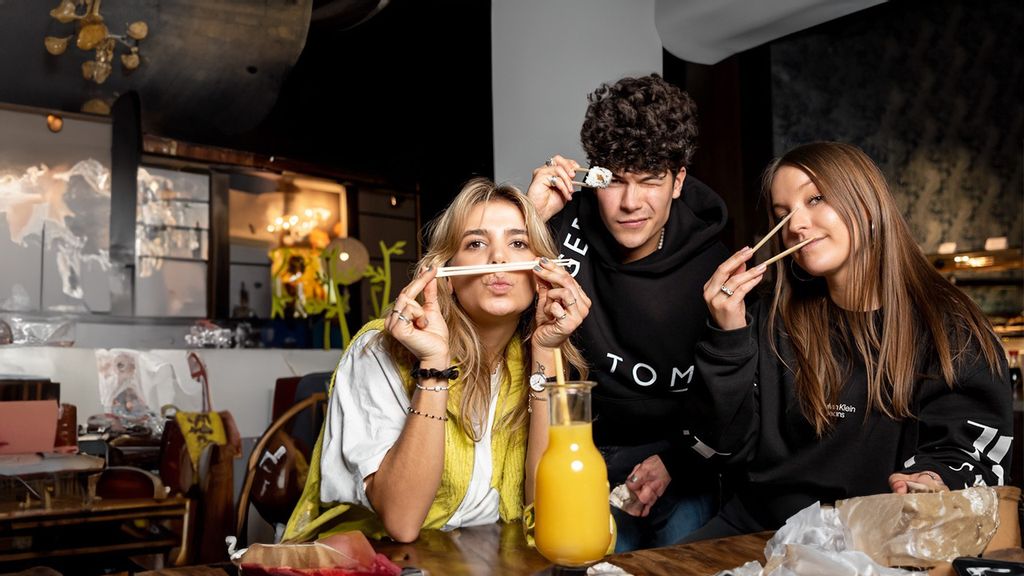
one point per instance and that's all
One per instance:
(933, 92)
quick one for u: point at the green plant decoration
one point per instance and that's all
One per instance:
(279, 299)
(335, 305)
(321, 291)
(380, 277)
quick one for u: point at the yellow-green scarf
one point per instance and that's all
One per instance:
(312, 518)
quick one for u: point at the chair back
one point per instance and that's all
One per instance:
(276, 470)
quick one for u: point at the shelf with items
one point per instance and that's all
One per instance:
(994, 279)
(965, 265)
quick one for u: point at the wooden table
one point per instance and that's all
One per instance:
(501, 550)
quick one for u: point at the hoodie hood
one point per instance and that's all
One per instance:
(695, 220)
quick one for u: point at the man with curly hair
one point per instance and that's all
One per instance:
(642, 248)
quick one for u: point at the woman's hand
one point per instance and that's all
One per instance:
(420, 327)
(551, 187)
(561, 305)
(926, 481)
(728, 286)
(647, 482)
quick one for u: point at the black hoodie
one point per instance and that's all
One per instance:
(645, 321)
(749, 417)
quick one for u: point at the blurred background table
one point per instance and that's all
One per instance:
(72, 534)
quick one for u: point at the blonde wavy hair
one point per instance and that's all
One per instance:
(445, 239)
(921, 312)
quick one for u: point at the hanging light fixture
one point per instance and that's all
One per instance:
(54, 122)
(93, 34)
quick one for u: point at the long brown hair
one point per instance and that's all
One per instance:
(445, 237)
(921, 311)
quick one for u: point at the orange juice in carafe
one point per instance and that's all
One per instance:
(573, 524)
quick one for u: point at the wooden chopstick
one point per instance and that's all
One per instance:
(774, 230)
(788, 251)
(445, 271)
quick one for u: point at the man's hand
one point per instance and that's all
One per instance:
(551, 187)
(647, 482)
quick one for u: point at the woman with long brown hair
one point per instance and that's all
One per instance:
(864, 372)
(432, 423)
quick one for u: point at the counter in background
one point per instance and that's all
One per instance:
(241, 380)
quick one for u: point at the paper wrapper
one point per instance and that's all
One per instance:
(920, 530)
(357, 559)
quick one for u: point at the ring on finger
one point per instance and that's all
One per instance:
(562, 317)
(549, 162)
(728, 291)
(552, 180)
(573, 303)
(402, 317)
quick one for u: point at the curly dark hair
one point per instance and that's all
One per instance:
(640, 125)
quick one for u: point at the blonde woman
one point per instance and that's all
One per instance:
(431, 421)
(865, 372)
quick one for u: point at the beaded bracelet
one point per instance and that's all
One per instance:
(425, 415)
(438, 388)
(450, 373)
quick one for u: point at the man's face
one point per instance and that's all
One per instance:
(635, 208)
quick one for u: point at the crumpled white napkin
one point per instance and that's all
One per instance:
(606, 569)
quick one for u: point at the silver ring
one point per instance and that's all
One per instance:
(562, 317)
(633, 478)
(573, 303)
(549, 162)
(728, 291)
(552, 180)
(401, 317)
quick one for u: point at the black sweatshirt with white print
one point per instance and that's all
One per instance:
(750, 419)
(644, 323)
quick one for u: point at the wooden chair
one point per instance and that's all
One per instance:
(274, 476)
(210, 488)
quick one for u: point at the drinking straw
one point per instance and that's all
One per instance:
(561, 398)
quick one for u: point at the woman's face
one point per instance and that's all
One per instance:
(495, 233)
(829, 255)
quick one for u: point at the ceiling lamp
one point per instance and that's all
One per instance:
(93, 34)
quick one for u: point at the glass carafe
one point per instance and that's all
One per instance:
(573, 519)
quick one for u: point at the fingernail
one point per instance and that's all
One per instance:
(537, 268)
(544, 259)
(745, 249)
(429, 267)
(761, 268)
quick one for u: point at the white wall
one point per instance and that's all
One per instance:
(546, 57)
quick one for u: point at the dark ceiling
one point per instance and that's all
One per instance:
(402, 94)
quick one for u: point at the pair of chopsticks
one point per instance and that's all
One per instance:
(787, 251)
(445, 271)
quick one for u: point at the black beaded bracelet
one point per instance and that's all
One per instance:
(450, 373)
(425, 415)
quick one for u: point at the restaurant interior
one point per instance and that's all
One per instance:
(203, 200)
